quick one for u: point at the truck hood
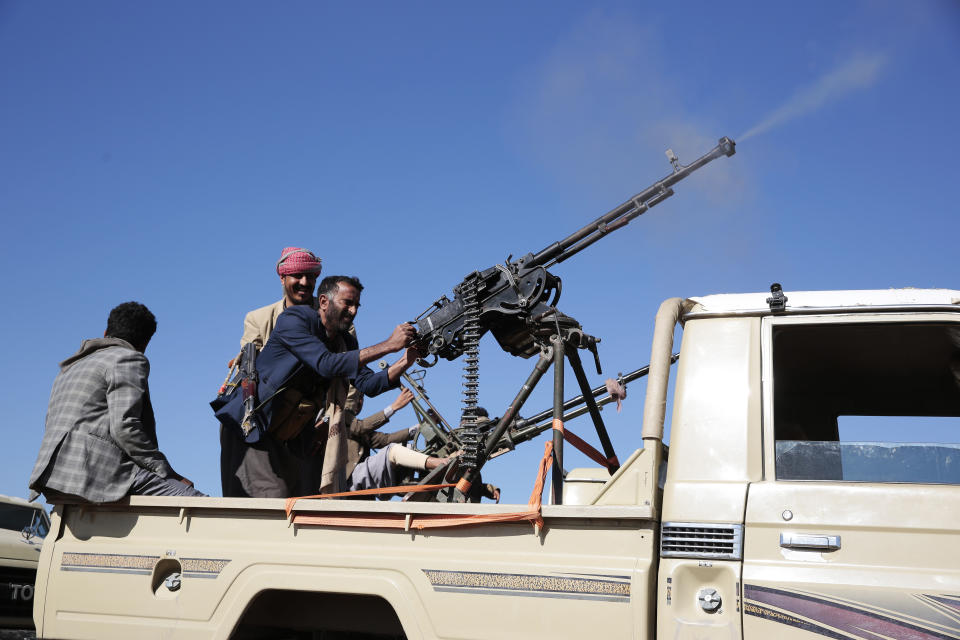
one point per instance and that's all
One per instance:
(13, 546)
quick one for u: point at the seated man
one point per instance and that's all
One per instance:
(386, 467)
(307, 365)
(100, 440)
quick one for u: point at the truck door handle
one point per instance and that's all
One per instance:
(809, 541)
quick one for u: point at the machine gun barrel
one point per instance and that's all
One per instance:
(623, 214)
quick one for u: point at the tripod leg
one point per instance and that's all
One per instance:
(557, 481)
(591, 402)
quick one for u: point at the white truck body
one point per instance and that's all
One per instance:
(768, 522)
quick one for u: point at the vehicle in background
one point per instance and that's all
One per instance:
(23, 526)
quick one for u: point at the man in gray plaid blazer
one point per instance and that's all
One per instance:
(100, 441)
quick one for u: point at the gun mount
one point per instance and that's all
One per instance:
(439, 439)
(516, 302)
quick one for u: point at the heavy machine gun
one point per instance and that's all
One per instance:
(516, 302)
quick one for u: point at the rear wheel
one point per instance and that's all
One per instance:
(300, 615)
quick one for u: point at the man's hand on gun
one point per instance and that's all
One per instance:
(411, 355)
(402, 336)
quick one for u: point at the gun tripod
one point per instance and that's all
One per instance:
(559, 346)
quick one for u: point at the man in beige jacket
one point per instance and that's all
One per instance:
(298, 270)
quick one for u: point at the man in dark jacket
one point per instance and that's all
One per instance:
(100, 440)
(305, 368)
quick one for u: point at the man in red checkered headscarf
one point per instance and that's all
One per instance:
(298, 269)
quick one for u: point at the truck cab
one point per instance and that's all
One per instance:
(812, 488)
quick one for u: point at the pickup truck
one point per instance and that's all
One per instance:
(809, 490)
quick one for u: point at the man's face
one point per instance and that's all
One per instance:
(298, 287)
(338, 312)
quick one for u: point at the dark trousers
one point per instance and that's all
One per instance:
(264, 469)
(145, 483)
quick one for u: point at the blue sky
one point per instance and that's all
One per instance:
(165, 152)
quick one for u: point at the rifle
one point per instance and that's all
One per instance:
(248, 386)
(516, 302)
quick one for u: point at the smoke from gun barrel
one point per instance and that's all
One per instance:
(859, 72)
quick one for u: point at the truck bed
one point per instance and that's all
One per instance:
(246, 570)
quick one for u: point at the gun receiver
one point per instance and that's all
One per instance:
(513, 297)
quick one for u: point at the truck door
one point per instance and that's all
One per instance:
(854, 532)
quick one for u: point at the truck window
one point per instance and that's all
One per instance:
(17, 518)
(867, 402)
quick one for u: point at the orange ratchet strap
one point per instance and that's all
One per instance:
(368, 492)
(587, 449)
(424, 521)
